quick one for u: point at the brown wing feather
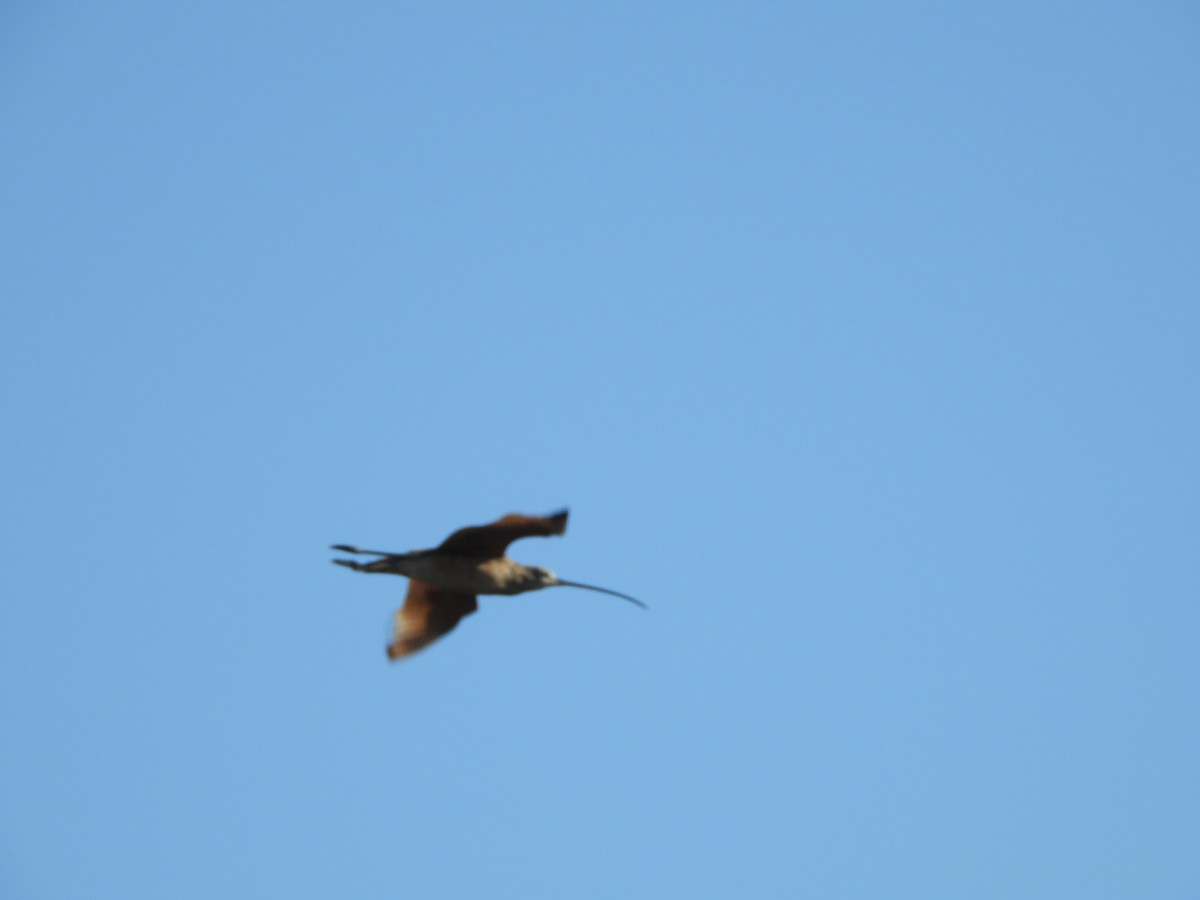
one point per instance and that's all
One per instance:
(489, 541)
(426, 615)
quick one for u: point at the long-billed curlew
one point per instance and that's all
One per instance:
(444, 581)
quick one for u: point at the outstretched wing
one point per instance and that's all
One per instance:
(426, 615)
(489, 541)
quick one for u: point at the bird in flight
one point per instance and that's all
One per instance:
(444, 582)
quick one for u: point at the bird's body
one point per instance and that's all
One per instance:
(445, 581)
(451, 572)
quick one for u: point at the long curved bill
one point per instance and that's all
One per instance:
(592, 587)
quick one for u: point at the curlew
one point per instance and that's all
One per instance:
(444, 581)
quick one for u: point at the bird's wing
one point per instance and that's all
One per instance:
(426, 615)
(488, 541)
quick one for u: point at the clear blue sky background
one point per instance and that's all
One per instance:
(861, 338)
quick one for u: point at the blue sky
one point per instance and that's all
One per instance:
(860, 338)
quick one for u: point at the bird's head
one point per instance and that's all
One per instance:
(541, 578)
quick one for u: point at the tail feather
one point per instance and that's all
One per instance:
(377, 565)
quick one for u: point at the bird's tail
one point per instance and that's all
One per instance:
(387, 564)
